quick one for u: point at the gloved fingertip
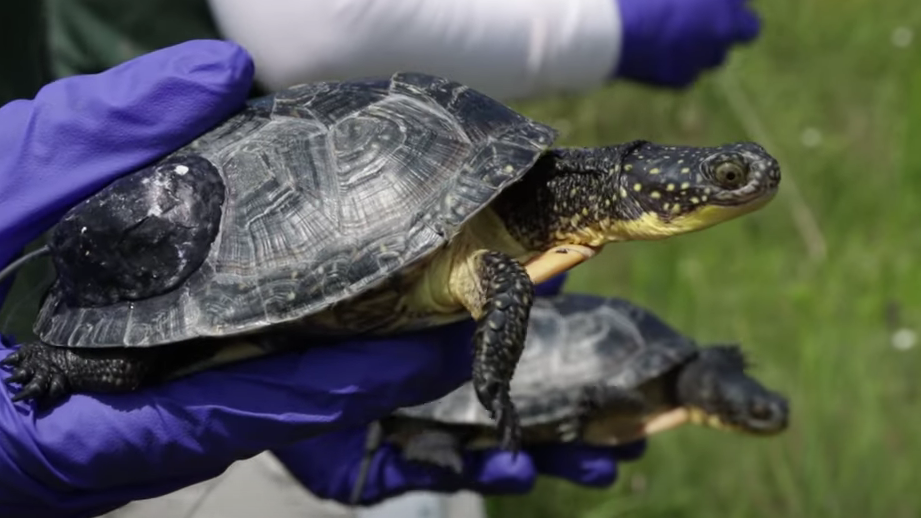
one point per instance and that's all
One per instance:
(630, 451)
(712, 58)
(581, 464)
(749, 25)
(501, 472)
(223, 65)
(681, 79)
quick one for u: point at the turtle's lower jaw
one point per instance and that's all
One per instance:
(769, 418)
(705, 216)
(766, 417)
(755, 194)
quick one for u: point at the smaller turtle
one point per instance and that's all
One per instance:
(601, 370)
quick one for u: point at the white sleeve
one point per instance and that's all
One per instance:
(508, 49)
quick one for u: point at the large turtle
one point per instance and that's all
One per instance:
(355, 208)
(600, 370)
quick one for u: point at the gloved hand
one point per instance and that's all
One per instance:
(93, 453)
(670, 42)
(329, 465)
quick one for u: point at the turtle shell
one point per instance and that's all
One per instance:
(573, 341)
(312, 196)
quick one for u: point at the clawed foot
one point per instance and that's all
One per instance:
(504, 308)
(40, 377)
(508, 424)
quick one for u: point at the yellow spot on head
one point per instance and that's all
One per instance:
(685, 170)
(680, 160)
(509, 169)
(628, 167)
(703, 198)
(670, 187)
(694, 200)
(685, 185)
(676, 208)
(654, 170)
(655, 195)
(623, 192)
(637, 187)
(585, 211)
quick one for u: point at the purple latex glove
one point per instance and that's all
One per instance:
(670, 42)
(93, 453)
(487, 472)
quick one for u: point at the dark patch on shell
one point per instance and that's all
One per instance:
(141, 236)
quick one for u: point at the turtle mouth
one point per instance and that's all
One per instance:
(759, 416)
(760, 186)
(762, 416)
(753, 191)
(763, 427)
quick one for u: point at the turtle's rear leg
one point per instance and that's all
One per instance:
(501, 304)
(48, 373)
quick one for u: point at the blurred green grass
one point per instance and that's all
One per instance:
(842, 106)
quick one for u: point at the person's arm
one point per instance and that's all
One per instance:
(509, 49)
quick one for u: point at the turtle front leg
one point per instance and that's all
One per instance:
(500, 301)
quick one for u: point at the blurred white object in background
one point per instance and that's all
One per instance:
(261, 486)
(420, 504)
(508, 49)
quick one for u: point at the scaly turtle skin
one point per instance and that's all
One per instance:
(363, 207)
(600, 370)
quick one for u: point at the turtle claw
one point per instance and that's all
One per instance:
(40, 380)
(509, 426)
(12, 359)
(42, 387)
(20, 376)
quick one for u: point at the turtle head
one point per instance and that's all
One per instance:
(662, 191)
(718, 392)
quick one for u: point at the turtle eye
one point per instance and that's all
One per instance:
(730, 175)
